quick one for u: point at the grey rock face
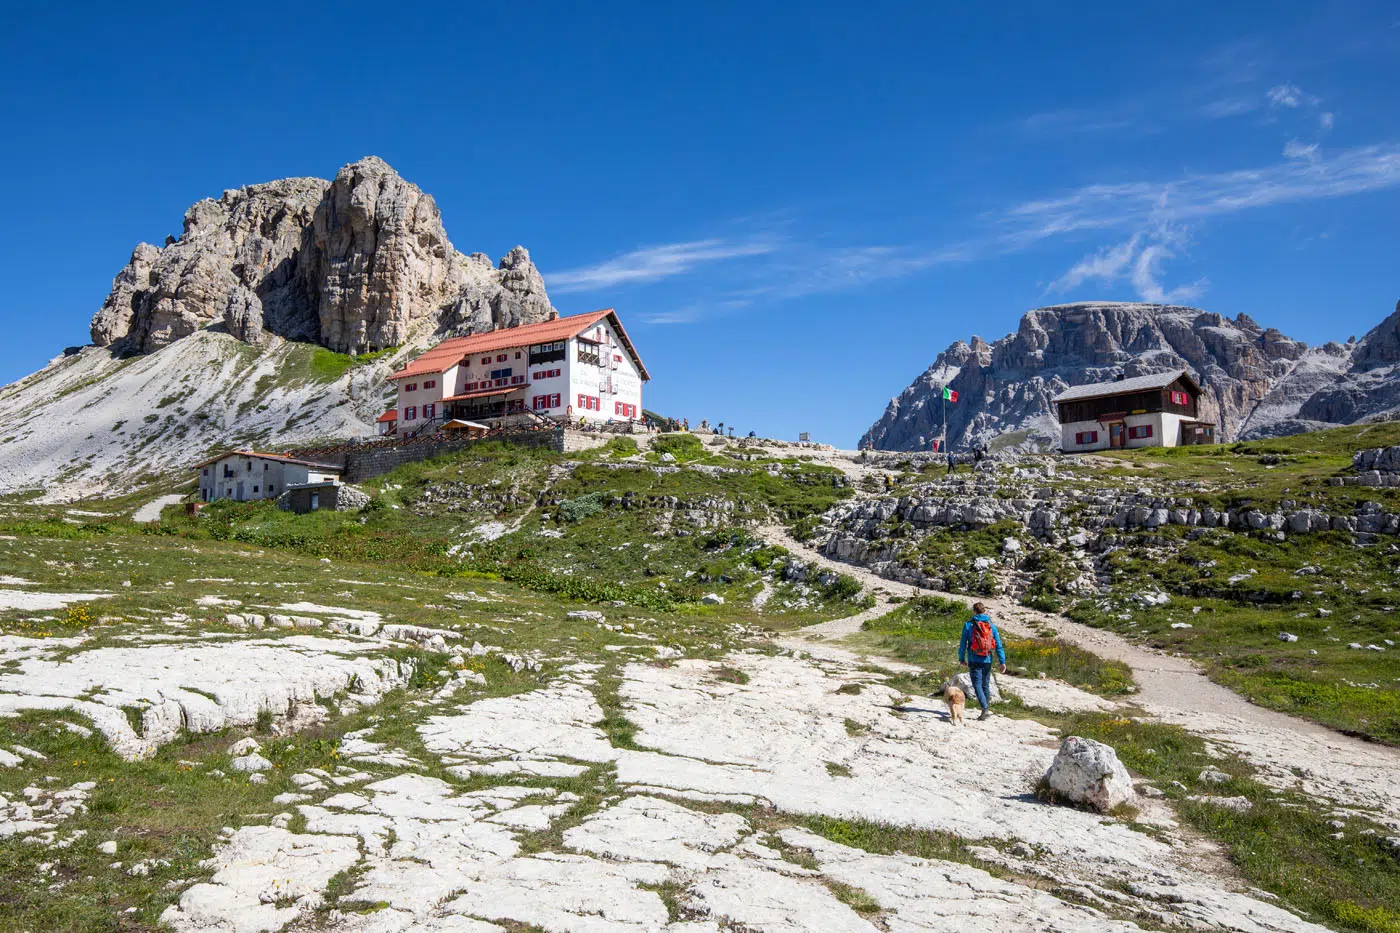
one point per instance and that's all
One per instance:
(1256, 381)
(355, 264)
(248, 238)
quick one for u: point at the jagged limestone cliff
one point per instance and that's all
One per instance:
(235, 333)
(1256, 381)
(358, 263)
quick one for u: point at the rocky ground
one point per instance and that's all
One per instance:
(215, 735)
(524, 808)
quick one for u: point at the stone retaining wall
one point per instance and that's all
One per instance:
(362, 461)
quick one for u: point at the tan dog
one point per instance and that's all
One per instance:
(957, 702)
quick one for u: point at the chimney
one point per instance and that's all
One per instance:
(553, 316)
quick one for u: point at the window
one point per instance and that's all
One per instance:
(590, 402)
(315, 501)
(501, 357)
(546, 352)
(1087, 437)
(205, 472)
(501, 373)
(547, 373)
(411, 387)
(1140, 431)
(517, 354)
(430, 384)
(429, 410)
(485, 360)
(410, 413)
(1181, 398)
(255, 489)
(543, 402)
(517, 380)
(625, 410)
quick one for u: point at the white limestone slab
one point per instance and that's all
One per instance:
(201, 687)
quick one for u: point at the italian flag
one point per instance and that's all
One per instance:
(949, 395)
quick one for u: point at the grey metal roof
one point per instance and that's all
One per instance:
(1122, 386)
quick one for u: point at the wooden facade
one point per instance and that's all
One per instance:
(1113, 407)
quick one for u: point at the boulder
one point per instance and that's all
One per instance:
(244, 747)
(251, 763)
(1089, 773)
(963, 682)
(712, 599)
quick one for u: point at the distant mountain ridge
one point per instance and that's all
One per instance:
(1256, 381)
(220, 336)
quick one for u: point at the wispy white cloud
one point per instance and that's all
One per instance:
(1325, 120)
(1197, 196)
(1297, 149)
(688, 314)
(653, 263)
(1291, 96)
(1232, 106)
(1144, 222)
(1107, 265)
(1147, 279)
(680, 316)
(1137, 261)
(1072, 122)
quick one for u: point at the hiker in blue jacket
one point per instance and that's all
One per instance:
(980, 640)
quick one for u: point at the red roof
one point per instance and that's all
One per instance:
(283, 458)
(453, 350)
(390, 415)
(483, 393)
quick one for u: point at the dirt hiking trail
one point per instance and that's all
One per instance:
(1289, 752)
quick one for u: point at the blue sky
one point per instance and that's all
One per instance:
(793, 206)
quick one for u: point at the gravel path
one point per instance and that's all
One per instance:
(1289, 752)
(150, 512)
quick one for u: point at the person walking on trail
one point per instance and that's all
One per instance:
(951, 460)
(980, 642)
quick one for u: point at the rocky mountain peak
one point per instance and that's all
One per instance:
(1256, 380)
(358, 263)
(1381, 347)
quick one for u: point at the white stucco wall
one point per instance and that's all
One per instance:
(267, 479)
(617, 381)
(443, 386)
(1166, 432)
